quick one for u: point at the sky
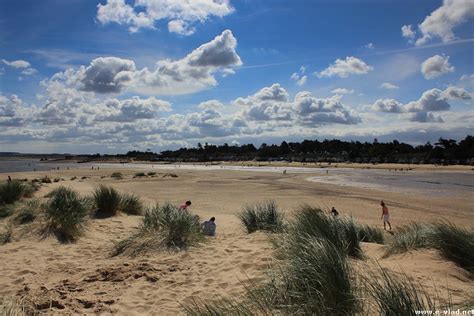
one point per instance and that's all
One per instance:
(109, 76)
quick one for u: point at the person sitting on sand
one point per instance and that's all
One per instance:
(385, 216)
(184, 206)
(334, 211)
(209, 227)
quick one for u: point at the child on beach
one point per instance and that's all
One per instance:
(209, 227)
(385, 216)
(184, 206)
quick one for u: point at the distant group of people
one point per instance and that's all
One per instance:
(208, 227)
(385, 215)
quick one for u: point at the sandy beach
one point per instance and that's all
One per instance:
(83, 278)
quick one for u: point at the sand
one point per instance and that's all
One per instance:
(82, 278)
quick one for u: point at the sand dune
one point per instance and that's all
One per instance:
(83, 278)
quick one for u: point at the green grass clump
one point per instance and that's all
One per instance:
(131, 204)
(117, 175)
(410, 237)
(140, 174)
(264, 216)
(107, 201)
(342, 232)
(316, 279)
(370, 234)
(163, 227)
(394, 294)
(455, 244)
(151, 173)
(65, 214)
(6, 235)
(12, 191)
(5, 211)
(27, 212)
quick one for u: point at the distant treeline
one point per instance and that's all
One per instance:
(445, 151)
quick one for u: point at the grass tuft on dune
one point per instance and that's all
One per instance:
(107, 201)
(265, 216)
(12, 191)
(396, 294)
(131, 204)
(163, 227)
(454, 243)
(66, 215)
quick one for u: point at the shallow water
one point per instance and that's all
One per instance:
(431, 183)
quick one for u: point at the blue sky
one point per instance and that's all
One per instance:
(115, 75)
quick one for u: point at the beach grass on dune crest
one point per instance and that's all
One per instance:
(410, 237)
(117, 175)
(107, 201)
(342, 232)
(454, 243)
(66, 215)
(396, 294)
(12, 191)
(131, 204)
(265, 216)
(163, 227)
(370, 234)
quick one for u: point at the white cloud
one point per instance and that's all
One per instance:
(455, 93)
(180, 14)
(342, 91)
(370, 46)
(193, 73)
(343, 68)
(408, 32)
(17, 63)
(433, 100)
(441, 22)
(389, 86)
(300, 78)
(29, 71)
(436, 66)
(272, 105)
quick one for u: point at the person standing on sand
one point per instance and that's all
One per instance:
(385, 216)
(184, 206)
(9, 179)
(334, 211)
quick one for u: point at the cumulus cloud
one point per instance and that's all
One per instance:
(343, 68)
(181, 15)
(193, 73)
(342, 91)
(436, 66)
(13, 111)
(272, 104)
(16, 63)
(389, 86)
(455, 93)
(387, 106)
(408, 32)
(441, 22)
(433, 100)
(299, 77)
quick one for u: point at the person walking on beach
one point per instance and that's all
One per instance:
(184, 206)
(334, 211)
(209, 227)
(385, 216)
(9, 179)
